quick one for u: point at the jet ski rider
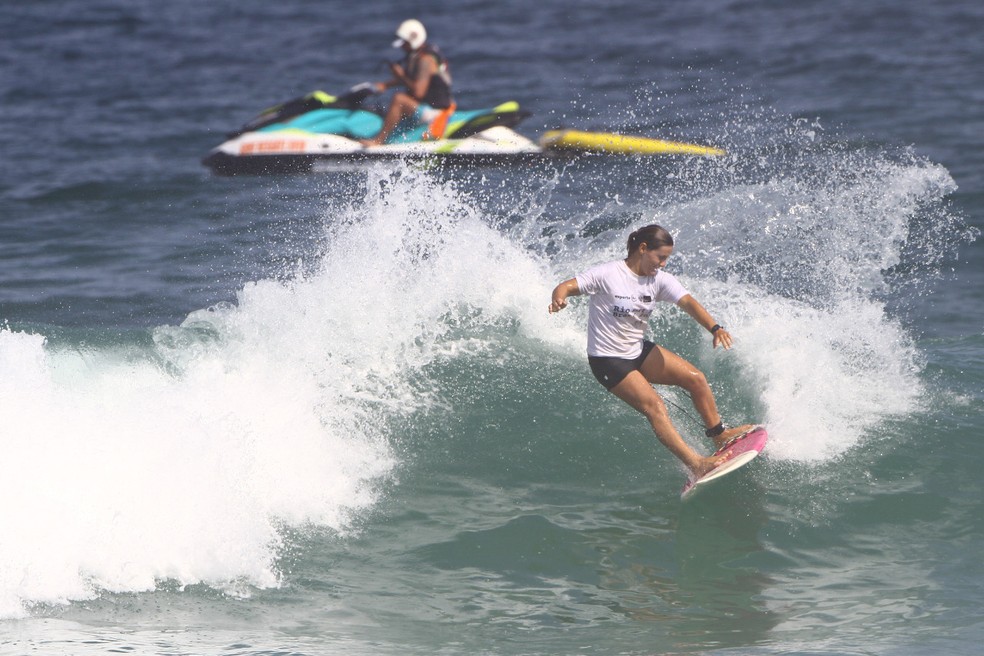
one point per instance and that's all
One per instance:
(424, 74)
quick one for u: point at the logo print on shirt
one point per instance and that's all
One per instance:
(621, 312)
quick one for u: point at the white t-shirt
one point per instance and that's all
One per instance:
(621, 303)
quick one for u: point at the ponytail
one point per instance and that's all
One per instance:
(653, 236)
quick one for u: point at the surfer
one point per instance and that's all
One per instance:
(426, 78)
(623, 295)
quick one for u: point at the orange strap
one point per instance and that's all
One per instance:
(437, 127)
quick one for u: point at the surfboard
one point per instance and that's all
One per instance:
(739, 451)
(604, 142)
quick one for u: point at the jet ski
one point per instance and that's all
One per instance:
(296, 135)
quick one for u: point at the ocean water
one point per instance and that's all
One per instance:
(329, 413)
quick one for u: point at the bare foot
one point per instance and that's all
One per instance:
(706, 464)
(368, 143)
(731, 434)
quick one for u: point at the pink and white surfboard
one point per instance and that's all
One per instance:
(739, 452)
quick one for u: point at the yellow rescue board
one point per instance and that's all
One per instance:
(603, 142)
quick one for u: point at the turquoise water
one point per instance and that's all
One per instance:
(330, 413)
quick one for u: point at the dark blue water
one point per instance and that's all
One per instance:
(329, 413)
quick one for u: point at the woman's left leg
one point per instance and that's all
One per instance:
(664, 367)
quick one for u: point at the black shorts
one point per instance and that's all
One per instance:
(611, 371)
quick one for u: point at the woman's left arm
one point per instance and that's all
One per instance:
(690, 305)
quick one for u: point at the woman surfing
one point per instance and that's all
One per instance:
(623, 295)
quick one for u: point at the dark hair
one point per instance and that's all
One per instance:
(653, 236)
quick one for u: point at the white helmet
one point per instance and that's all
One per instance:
(412, 32)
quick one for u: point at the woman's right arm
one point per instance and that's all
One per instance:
(558, 300)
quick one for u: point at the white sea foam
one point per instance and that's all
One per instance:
(804, 268)
(124, 467)
(824, 378)
(117, 474)
(796, 267)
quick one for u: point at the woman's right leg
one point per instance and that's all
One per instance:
(636, 391)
